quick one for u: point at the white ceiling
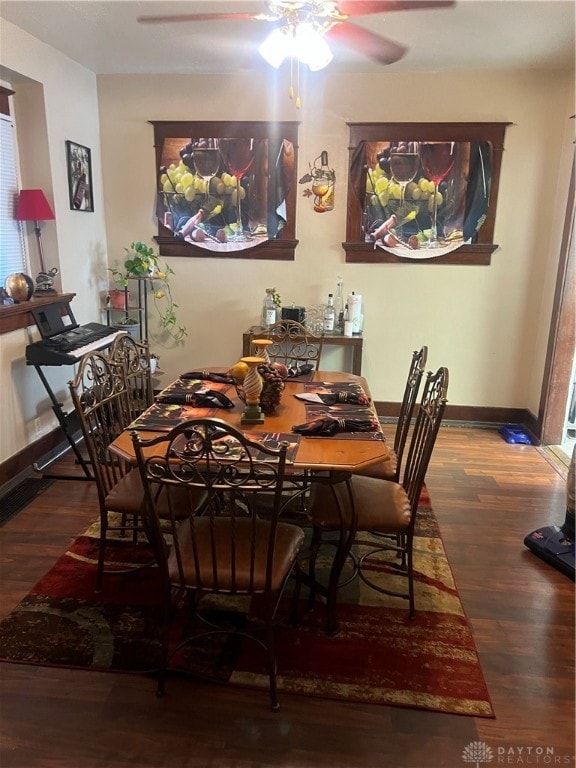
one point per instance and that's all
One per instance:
(105, 37)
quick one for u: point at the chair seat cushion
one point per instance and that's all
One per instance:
(384, 470)
(217, 574)
(381, 505)
(127, 495)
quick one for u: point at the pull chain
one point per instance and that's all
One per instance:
(291, 90)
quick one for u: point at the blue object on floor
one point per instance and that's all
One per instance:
(514, 433)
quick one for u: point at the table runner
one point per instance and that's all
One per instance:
(162, 417)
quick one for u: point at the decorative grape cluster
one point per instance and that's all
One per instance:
(272, 388)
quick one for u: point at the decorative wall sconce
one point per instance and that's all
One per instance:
(322, 179)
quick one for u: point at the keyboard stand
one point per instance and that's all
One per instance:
(67, 422)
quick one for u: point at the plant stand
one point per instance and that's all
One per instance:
(140, 330)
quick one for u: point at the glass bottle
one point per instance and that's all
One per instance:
(339, 305)
(329, 315)
(268, 310)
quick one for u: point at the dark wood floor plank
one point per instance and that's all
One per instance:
(486, 494)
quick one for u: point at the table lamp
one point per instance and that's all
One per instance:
(33, 206)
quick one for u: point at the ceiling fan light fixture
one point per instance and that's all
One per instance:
(276, 47)
(301, 41)
(310, 47)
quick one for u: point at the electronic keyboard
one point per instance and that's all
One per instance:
(69, 347)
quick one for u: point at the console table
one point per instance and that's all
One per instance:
(336, 339)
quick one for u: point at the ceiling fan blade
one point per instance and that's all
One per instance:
(365, 7)
(205, 17)
(374, 47)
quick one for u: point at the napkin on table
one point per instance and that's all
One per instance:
(300, 370)
(202, 398)
(220, 378)
(329, 426)
(333, 398)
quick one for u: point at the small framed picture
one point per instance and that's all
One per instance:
(79, 177)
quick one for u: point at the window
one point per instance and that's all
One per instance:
(12, 250)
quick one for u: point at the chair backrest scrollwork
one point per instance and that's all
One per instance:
(131, 358)
(293, 344)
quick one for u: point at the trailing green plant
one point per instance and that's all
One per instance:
(276, 298)
(142, 261)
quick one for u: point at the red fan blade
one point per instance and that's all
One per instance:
(374, 47)
(365, 7)
(205, 17)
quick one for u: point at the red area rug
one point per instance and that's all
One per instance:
(378, 657)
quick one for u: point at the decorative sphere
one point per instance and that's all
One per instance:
(19, 286)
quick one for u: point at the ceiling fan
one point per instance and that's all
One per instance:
(315, 20)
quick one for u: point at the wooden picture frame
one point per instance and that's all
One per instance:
(80, 190)
(478, 252)
(169, 135)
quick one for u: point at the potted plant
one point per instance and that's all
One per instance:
(142, 261)
(118, 298)
(129, 324)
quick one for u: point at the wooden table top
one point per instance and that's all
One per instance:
(316, 453)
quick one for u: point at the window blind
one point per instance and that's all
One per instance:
(12, 249)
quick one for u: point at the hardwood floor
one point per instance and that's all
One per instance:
(486, 494)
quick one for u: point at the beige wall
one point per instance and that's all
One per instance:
(488, 324)
(56, 100)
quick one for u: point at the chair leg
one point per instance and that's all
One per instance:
(402, 551)
(410, 574)
(101, 550)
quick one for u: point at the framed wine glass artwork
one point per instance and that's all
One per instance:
(206, 159)
(238, 155)
(226, 188)
(79, 162)
(423, 192)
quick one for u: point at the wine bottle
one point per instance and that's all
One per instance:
(268, 310)
(329, 315)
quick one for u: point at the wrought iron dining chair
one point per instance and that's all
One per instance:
(237, 546)
(103, 407)
(368, 505)
(132, 358)
(293, 344)
(390, 469)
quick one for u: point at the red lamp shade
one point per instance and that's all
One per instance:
(33, 206)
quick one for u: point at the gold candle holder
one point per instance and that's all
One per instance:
(262, 349)
(252, 391)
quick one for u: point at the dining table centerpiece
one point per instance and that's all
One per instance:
(272, 382)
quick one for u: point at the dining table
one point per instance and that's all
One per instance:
(315, 458)
(338, 453)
